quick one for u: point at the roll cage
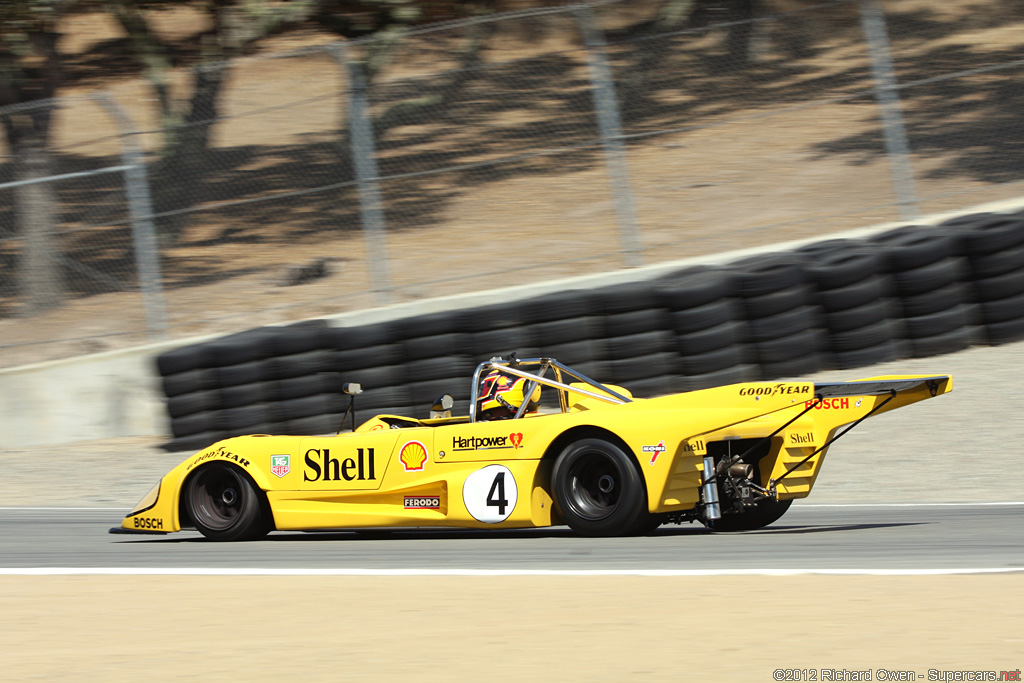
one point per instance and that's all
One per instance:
(541, 366)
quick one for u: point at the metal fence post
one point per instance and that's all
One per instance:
(607, 106)
(364, 158)
(873, 22)
(140, 208)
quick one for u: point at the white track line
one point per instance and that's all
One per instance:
(243, 571)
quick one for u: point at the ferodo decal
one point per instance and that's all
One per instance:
(422, 503)
(413, 456)
(655, 451)
(219, 454)
(776, 390)
(280, 465)
(490, 494)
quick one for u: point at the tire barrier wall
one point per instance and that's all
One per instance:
(910, 292)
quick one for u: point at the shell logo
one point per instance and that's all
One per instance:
(413, 456)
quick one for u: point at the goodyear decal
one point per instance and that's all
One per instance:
(218, 454)
(775, 390)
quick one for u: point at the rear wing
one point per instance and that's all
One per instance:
(877, 386)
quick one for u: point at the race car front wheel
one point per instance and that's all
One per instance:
(598, 490)
(225, 504)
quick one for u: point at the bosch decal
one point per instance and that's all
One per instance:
(156, 524)
(413, 456)
(322, 466)
(655, 451)
(280, 465)
(422, 503)
(830, 404)
(776, 390)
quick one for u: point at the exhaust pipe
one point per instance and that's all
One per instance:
(712, 510)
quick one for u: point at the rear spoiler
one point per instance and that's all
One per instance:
(876, 387)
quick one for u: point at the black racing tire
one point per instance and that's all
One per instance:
(776, 303)
(309, 406)
(244, 419)
(835, 269)
(1002, 310)
(803, 364)
(925, 303)
(927, 278)
(658, 385)
(195, 402)
(193, 442)
(428, 325)
(484, 345)
(299, 387)
(224, 504)
(501, 316)
(712, 361)
(703, 317)
(856, 318)
(694, 287)
(863, 338)
(720, 378)
(988, 289)
(642, 344)
(574, 303)
(300, 337)
(988, 233)
(851, 296)
(433, 346)
(244, 373)
(711, 339)
(373, 400)
(626, 297)
(636, 322)
(190, 381)
(578, 352)
(368, 357)
(246, 394)
(954, 340)
(844, 360)
(935, 324)
(998, 263)
(766, 273)
(598, 489)
(565, 331)
(912, 247)
(788, 324)
(242, 347)
(361, 337)
(184, 359)
(301, 364)
(440, 367)
(784, 349)
(768, 512)
(1005, 332)
(187, 425)
(626, 370)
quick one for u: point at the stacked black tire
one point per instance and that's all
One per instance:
(782, 326)
(708, 326)
(926, 276)
(914, 291)
(993, 245)
(847, 286)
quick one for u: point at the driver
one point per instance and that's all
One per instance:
(500, 396)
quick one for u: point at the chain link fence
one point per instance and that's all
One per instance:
(486, 153)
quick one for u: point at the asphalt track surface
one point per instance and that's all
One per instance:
(924, 537)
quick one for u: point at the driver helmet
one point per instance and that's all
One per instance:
(500, 396)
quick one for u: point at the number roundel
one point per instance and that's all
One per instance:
(490, 494)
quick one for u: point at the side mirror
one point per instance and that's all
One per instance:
(442, 406)
(352, 389)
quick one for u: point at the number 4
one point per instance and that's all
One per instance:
(498, 487)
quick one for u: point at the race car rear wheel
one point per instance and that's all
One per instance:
(598, 490)
(765, 513)
(225, 504)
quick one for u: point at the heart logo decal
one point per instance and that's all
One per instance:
(516, 438)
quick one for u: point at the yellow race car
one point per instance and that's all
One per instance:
(606, 464)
